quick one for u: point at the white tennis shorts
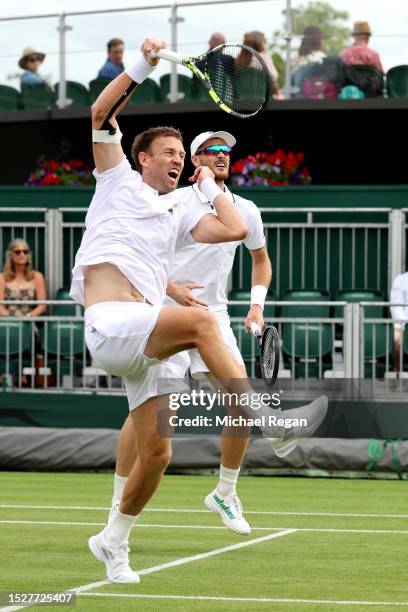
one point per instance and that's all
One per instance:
(197, 364)
(163, 379)
(116, 334)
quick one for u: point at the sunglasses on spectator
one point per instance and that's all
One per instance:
(21, 251)
(33, 58)
(215, 150)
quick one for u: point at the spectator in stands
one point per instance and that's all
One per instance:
(19, 281)
(113, 66)
(359, 53)
(256, 40)
(30, 62)
(399, 295)
(217, 38)
(310, 50)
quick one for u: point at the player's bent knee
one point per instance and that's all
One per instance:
(157, 458)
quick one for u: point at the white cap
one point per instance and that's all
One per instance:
(198, 140)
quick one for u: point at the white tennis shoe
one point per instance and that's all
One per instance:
(230, 510)
(313, 413)
(115, 557)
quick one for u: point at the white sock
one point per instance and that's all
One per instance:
(228, 480)
(118, 486)
(118, 529)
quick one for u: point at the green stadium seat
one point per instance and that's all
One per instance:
(242, 311)
(199, 92)
(15, 340)
(360, 295)
(77, 93)
(305, 295)
(378, 343)
(147, 93)
(247, 347)
(9, 98)
(65, 310)
(63, 345)
(36, 97)
(397, 82)
(185, 87)
(96, 86)
(308, 345)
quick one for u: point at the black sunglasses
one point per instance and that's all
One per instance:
(20, 251)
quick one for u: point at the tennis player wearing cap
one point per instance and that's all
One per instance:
(204, 269)
(120, 276)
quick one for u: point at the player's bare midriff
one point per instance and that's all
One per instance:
(105, 283)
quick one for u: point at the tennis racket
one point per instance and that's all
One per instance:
(268, 344)
(235, 77)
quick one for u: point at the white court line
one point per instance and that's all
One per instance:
(250, 599)
(175, 563)
(195, 511)
(161, 526)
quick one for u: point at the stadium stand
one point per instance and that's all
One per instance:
(185, 87)
(36, 97)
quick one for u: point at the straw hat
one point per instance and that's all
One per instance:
(27, 51)
(361, 27)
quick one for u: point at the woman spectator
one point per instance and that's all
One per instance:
(19, 281)
(256, 40)
(310, 50)
(30, 62)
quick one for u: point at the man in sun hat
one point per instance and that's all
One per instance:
(359, 52)
(30, 62)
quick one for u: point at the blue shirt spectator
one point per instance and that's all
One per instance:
(30, 62)
(31, 78)
(113, 66)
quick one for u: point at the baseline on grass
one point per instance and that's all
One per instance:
(235, 77)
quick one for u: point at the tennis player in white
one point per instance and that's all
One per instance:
(205, 268)
(120, 276)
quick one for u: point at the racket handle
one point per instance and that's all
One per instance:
(255, 329)
(168, 55)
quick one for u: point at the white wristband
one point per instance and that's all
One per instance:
(140, 70)
(210, 189)
(258, 295)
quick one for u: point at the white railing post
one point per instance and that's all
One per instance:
(174, 20)
(288, 37)
(396, 242)
(358, 340)
(54, 251)
(348, 340)
(62, 101)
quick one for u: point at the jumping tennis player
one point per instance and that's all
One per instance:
(210, 264)
(120, 276)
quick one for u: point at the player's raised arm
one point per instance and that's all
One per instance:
(106, 135)
(228, 225)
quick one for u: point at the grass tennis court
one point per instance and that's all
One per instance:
(325, 544)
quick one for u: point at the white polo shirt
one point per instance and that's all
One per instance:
(399, 295)
(130, 226)
(211, 264)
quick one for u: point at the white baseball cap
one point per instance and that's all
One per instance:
(198, 140)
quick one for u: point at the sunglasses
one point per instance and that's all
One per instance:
(34, 58)
(21, 252)
(215, 150)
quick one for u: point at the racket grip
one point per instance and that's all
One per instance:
(255, 329)
(168, 55)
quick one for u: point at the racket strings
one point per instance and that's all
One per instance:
(270, 353)
(239, 78)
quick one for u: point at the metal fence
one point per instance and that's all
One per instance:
(325, 248)
(49, 352)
